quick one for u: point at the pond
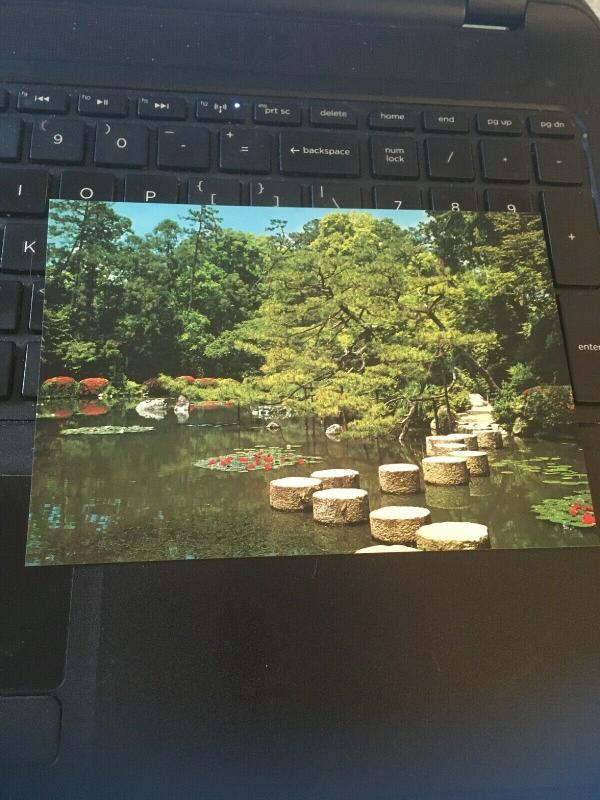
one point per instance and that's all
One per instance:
(141, 497)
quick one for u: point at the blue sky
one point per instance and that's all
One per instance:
(250, 219)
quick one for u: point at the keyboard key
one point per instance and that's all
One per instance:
(24, 247)
(10, 305)
(449, 159)
(581, 325)
(499, 122)
(23, 191)
(214, 191)
(44, 100)
(573, 239)
(121, 144)
(10, 138)
(162, 108)
(513, 200)
(440, 120)
(313, 153)
(244, 150)
(453, 198)
(57, 141)
(275, 193)
(332, 115)
(220, 109)
(394, 157)
(551, 123)
(397, 197)
(31, 373)
(36, 309)
(7, 354)
(503, 160)
(150, 187)
(392, 118)
(558, 162)
(104, 104)
(183, 147)
(278, 113)
(92, 185)
(336, 195)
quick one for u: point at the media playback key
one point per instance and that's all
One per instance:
(581, 325)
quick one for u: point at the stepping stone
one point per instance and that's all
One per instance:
(445, 448)
(292, 494)
(340, 506)
(468, 439)
(337, 478)
(477, 461)
(489, 440)
(431, 442)
(452, 536)
(388, 548)
(398, 524)
(445, 470)
(399, 478)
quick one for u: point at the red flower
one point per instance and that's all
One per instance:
(589, 508)
(250, 466)
(268, 458)
(574, 509)
(242, 459)
(212, 461)
(228, 460)
(267, 467)
(588, 519)
(60, 380)
(300, 461)
(223, 463)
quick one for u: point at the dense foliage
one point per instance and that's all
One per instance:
(354, 318)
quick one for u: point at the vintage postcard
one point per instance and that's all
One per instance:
(225, 382)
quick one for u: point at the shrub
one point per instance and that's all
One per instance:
(206, 381)
(187, 379)
(155, 387)
(61, 385)
(547, 409)
(507, 406)
(92, 386)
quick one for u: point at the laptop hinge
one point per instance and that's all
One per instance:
(496, 13)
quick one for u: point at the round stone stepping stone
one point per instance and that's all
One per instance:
(445, 470)
(452, 536)
(388, 548)
(445, 448)
(340, 506)
(399, 478)
(468, 439)
(489, 440)
(477, 461)
(292, 494)
(398, 524)
(431, 442)
(449, 498)
(337, 478)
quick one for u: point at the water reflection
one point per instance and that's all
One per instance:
(140, 497)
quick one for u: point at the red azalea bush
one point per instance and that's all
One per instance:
(92, 386)
(189, 379)
(62, 413)
(206, 381)
(60, 385)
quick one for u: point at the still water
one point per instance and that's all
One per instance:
(137, 497)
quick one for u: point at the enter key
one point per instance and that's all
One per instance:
(580, 313)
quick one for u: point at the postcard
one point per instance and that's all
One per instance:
(228, 382)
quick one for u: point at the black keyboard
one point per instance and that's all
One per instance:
(76, 143)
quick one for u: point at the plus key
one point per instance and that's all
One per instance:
(573, 240)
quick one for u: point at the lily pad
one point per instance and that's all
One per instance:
(575, 511)
(105, 430)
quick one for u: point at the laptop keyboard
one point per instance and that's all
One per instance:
(80, 144)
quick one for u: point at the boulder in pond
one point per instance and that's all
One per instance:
(273, 427)
(334, 431)
(154, 408)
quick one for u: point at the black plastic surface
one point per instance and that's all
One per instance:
(464, 676)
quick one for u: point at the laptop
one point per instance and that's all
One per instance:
(299, 677)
